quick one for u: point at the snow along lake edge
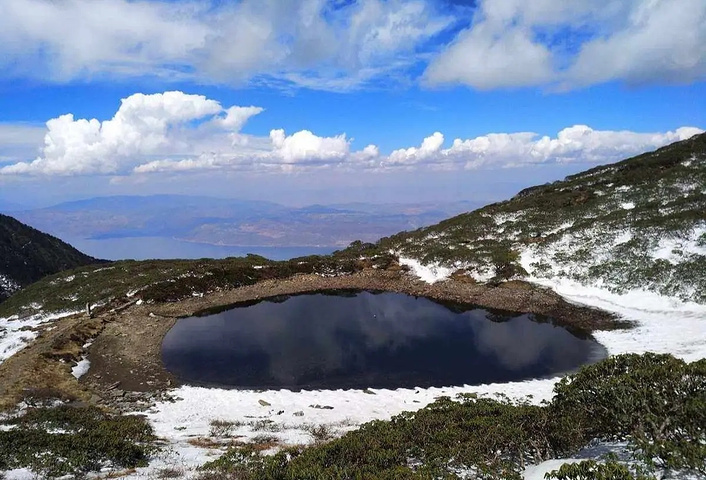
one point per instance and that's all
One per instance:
(663, 325)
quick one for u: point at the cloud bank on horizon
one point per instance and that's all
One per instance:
(343, 45)
(178, 132)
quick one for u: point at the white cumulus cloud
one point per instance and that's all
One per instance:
(578, 143)
(305, 146)
(412, 155)
(179, 132)
(235, 117)
(144, 125)
(582, 143)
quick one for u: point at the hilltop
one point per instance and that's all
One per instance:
(636, 224)
(27, 255)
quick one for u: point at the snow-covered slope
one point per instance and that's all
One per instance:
(636, 224)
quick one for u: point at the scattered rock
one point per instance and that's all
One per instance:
(264, 403)
(321, 407)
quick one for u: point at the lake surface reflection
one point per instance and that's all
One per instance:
(364, 339)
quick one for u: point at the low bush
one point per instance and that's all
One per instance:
(592, 470)
(223, 428)
(74, 440)
(655, 402)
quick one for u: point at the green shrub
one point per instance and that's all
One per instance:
(592, 470)
(494, 437)
(74, 440)
(657, 402)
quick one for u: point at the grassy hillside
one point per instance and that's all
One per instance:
(167, 280)
(26, 255)
(633, 224)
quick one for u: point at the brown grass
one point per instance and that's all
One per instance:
(170, 472)
(462, 277)
(265, 442)
(206, 442)
(37, 373)
(120, 473)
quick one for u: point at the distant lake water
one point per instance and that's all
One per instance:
(364, 339)
(143, 248)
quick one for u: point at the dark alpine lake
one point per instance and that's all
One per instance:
(364, 339)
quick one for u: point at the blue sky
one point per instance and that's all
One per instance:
(343, 101)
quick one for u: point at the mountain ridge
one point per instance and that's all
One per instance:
(231, 222)
(637, 223)
(21, 266)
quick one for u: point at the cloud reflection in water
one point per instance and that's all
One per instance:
(378, 340)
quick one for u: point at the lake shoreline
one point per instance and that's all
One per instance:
(126, 370)
(126, 355)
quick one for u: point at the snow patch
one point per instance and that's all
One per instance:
(102, 269)
(289, 415)
(627, 205)
(687, 163)
(560, 228)
(81, 368)
(503, 218)
(663, 324)
(623, 237)
(430, 273)
(16, 333)
(483, 274)
(537, 472)
(8, 284)
(20, 474)
(673, 250)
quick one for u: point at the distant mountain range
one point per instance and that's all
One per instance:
(233, 222)
(7, 206)
(26, 255)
